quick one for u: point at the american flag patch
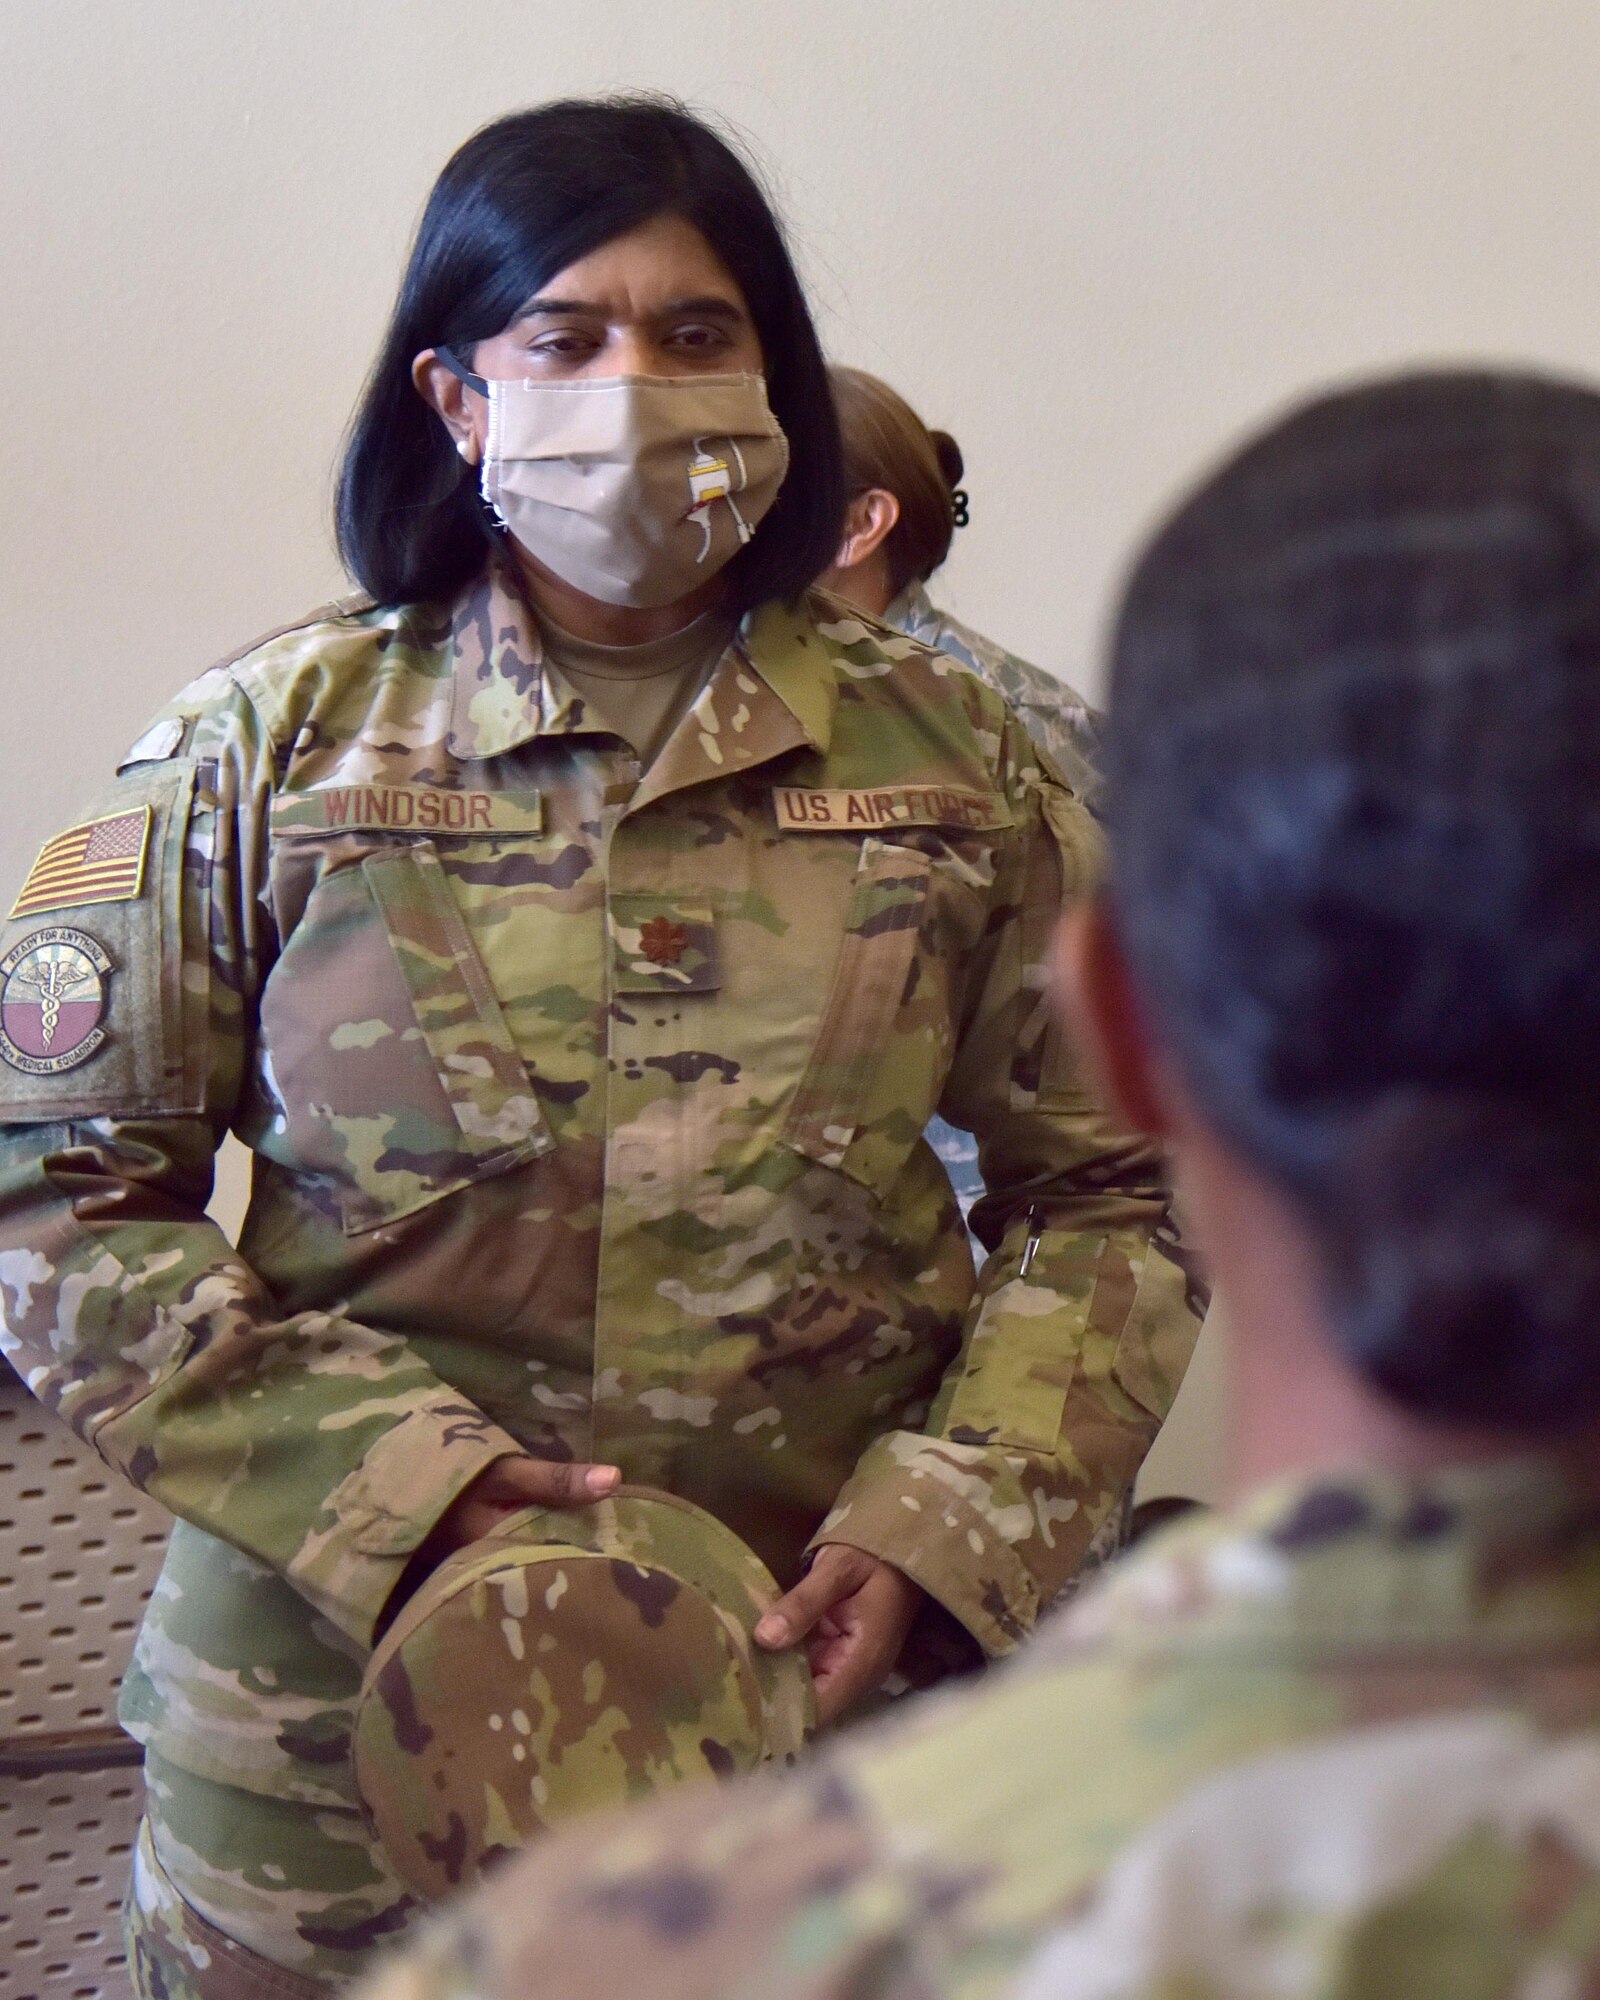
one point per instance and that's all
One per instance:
(101, 861)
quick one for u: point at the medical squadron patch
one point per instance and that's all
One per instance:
(52, 1000)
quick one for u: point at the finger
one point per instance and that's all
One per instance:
(792, 1617)
(873, 1625)
(848, 1673)
(824, 1657)
(550, 1483)
(467, 1523)
(839, 1678)
(824, 1650)
(832, 1698)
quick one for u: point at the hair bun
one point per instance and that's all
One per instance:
(1461, 1239)
(951, 463)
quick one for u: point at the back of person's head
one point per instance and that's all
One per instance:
(520, 201)
(887, 445)
(1354, 793)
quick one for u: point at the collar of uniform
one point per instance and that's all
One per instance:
(501, 692)
(774, 690)
(913, 611)
(1500, 1557)
(784, 645)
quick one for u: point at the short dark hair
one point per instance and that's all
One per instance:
(521, 200)
(1353, 789)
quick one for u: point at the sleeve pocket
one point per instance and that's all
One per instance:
(1158, 1337)
(1062, 868)
(1026, 1348)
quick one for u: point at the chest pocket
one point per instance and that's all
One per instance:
(852, 1110)
(398, 1075)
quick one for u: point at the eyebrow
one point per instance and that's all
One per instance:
(709, 305)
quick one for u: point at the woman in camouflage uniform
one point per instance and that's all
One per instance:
(1340, 1741)
(579, 928)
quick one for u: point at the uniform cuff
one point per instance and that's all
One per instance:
(375, 1519)
(911, 1516)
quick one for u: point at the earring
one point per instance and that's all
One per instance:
(468, 448)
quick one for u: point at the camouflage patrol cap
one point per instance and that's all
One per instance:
(574, 1659)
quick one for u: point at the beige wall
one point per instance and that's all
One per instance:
(1092, 237)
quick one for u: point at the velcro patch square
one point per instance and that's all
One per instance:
(662, 943)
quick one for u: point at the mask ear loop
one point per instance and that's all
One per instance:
(494, 520)
(460, 371)
(746, 532)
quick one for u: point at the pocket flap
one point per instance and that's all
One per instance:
(869, 987)
(456, 1007)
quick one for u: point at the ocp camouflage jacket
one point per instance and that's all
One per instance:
(586, 1110)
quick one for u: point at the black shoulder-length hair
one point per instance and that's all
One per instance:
(520, 201)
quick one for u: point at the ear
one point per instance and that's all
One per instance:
(462, 411)
(869, 520)
(1095, 990)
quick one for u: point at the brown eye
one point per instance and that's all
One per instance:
(699, 337)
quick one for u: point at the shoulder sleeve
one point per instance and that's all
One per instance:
(133, 959)
(778, 1885)
(106, 955)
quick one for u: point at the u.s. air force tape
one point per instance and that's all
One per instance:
(801, 810)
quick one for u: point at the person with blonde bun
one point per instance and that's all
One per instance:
(905, 501)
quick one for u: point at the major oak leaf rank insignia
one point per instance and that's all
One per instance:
(662, 941)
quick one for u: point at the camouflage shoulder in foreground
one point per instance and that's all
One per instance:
(1346, 1743)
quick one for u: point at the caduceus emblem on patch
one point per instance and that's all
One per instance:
(52, 1000)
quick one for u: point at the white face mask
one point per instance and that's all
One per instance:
(632, 488)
